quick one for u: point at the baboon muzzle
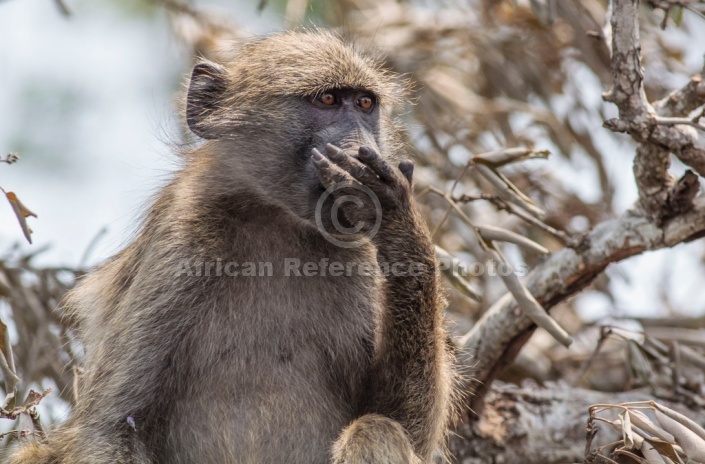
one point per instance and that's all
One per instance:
(352, 136)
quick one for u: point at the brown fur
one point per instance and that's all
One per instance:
(265, 369)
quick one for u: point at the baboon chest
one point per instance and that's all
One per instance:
(294, 310)
(284, 351)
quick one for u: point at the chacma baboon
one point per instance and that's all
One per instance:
(280, 303)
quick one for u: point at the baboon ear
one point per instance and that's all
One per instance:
(205, 91)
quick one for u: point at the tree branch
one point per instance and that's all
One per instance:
(545, 425)
(684, 100)
(657, 133)
(503, 329)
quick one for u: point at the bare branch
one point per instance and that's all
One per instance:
(684, 100)
(679, 121)
(500, 204)
(652, 177)
(546, 425)
(499, 334)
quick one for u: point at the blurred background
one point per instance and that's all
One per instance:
(88, 99)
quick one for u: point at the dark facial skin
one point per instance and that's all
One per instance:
(349, 158)
(347, 118)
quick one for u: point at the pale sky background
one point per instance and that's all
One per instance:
(88, 102)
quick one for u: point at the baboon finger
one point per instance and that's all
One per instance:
(377, 164)
(351, 165)
(407, 168)
(328, 173)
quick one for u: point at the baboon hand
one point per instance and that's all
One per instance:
(374, 186)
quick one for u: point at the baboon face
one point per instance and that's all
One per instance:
(294, 92)
(346, 117)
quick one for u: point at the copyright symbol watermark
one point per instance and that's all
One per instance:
(362, 198)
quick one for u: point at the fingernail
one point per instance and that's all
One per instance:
(316, 155)
(334, 152)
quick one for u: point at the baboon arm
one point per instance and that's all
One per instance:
(411, 376)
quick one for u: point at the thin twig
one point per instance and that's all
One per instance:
(679, 121)
(447, 212)
(502, 205)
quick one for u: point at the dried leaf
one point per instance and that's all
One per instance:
(458, 282)
(3, 337)
(21, 212)
(33, 398)
(692, 356)
(692, 425)
(652, 455)
(507, 190)
(10, 400)
(627, 432)
(496, 159)
(642, 421)
(7, 367)
(639, 364)
(693, 445)
(492, 233)
(664, 449)
(628, 454)
(528, 304)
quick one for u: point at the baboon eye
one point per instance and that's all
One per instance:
(365, 102)
(327, 98)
